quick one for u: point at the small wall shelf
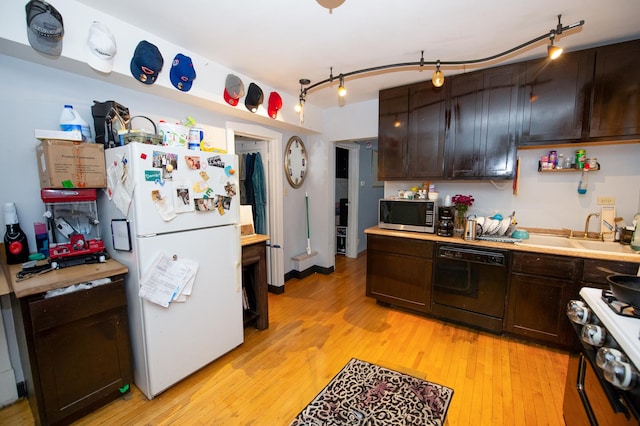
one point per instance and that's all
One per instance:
(541, 170)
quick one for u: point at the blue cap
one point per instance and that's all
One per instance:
(146, 63)
(182, 72)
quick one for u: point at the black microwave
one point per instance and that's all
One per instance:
(408, 215)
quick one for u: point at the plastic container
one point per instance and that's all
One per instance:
(70, 120)
(584, 180)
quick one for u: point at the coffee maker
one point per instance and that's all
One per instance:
(445, 221)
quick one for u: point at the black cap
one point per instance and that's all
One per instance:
(254, 97)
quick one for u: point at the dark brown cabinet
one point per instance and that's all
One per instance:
(393, 119)
(399, 271)
(78, 347)
(540, 288)
(426, 139)
(481, 124)
(254, 284)
(555, 98)
(615, 110)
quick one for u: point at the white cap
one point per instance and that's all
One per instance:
(101, 47)
(10, 214)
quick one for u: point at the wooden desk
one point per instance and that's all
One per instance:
(254, 280)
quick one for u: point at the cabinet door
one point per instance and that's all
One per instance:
(426, 131)
(399, 271)
(392, 133)
(463, 125)
(616, 98)
(537, 309)
(497, 157)
(555, 97)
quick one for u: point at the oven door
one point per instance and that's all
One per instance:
(585, 402)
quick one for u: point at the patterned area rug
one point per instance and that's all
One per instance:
(367, 394)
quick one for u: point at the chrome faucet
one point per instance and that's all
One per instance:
(586, 223)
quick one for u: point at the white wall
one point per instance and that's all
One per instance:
(551, 200)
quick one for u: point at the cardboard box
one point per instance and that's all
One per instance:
(65, 164)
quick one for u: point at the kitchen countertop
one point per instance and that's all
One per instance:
(253, 239)
(63, 277)
(623, 257)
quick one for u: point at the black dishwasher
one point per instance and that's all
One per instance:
(470, 285)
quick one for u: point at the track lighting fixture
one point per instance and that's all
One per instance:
(341, 90)
(438, 75)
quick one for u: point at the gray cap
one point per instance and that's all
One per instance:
(233, 89)
(45, 27)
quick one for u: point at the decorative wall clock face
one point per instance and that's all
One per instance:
(295, 162)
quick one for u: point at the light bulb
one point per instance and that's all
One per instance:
(342, 91)
(554, 51)
(438, 78)
(298, 107)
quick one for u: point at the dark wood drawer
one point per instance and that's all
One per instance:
(591, 273)
(545, 265)
(401, 246)
(77, 305)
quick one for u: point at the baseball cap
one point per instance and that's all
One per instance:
(101, 47)
(45, 27)
(182, 72)
(275, 103)
(233, 89)
(146, 63)
(254, 97)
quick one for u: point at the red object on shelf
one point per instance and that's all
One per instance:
(67, 195)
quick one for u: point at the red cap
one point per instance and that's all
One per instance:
(229, 99)
(275, 103)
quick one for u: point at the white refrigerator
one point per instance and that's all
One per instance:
(184, 204)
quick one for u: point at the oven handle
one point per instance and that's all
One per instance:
(582, 366)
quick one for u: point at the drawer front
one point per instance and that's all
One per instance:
(55, 311)
(545, 265)
(401, 246)
(591, 273)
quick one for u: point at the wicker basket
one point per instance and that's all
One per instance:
(140, 135)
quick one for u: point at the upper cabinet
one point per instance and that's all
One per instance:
(393, 119)
(481, 124)
(555, 97)
(471, 127)
(615, 110)
(426, 131)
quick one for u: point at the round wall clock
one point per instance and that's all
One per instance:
(295, 161)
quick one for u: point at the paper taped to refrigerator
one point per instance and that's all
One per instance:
(166, 279)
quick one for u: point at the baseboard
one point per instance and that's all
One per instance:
(309, 271)
(276, 289)
(22, 389)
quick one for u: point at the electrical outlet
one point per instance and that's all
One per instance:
(606, 200)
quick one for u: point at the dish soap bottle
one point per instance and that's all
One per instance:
(15, 240)
(584, 180)
(635, 239)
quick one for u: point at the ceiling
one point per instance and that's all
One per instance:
(281, 41)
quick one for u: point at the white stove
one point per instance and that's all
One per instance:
(625, 330)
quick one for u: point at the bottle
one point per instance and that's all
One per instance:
(584, 180)
(15, 240)
(70, 120)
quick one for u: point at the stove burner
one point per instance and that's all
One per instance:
(619, 307)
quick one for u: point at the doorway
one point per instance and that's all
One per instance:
(346, 196)
(248, 138)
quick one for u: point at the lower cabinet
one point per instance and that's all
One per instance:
(254, 285)
(540, 288)
(78, 347)
(399, 271)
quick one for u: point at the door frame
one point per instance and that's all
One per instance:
(353, 196)
(275, 258)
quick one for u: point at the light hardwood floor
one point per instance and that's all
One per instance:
(316, 326)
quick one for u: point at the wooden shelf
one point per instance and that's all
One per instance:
(541, 170)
